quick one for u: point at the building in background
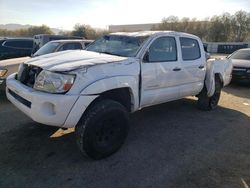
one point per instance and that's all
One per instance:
(225, 47)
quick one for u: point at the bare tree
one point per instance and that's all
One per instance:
(240, 25)
(220, 28)
(79, 30)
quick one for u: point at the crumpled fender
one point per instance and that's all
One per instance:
(114, 82)
(220, 67)
(209, 80)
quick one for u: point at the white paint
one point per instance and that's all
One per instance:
(159, 83)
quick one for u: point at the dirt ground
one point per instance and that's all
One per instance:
(169, 145)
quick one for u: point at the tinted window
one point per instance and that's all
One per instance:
(71, 46)
(19, 44)
(190, 49)
(163, 49)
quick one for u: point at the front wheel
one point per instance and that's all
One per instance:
(103, 129)
(209, 103)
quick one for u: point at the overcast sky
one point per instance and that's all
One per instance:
(64, 14)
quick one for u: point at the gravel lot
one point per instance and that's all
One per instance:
(169, 145)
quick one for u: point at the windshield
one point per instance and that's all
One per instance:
(47, 48)
(117, 45)
(242, 54)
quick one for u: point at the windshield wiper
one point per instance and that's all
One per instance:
(105, 52)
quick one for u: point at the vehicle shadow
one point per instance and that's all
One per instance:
(2, 97)
(236, 88)
(172, 144)
(3, 101)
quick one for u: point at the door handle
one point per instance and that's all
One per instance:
(176, 69)
(201, 67)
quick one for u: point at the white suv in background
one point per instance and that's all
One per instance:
(62, 45)
(10, 66)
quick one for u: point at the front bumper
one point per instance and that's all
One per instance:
(59, 110)
(241, 73)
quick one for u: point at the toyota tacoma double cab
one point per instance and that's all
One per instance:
(94, 90)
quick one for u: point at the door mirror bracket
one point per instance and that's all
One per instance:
(146, 57)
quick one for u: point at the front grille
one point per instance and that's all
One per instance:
(20, 99)
(27, 74)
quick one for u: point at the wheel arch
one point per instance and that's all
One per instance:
(118, 87)
(210, 81)
(121, 95)
(219, 77)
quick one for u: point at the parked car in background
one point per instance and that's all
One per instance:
(10, 66)
(13, 48)
(62, 45)
(241, 64)
(42, 39)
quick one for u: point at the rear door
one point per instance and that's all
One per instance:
(193, 66)
(160, 72)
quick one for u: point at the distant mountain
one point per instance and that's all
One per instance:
(20, 26)
(14, 26)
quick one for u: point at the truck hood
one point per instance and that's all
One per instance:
(72, 59)
(241, 63)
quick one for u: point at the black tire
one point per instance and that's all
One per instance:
(209, 103)
(103, 129)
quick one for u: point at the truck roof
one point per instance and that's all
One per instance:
(150, 33)
(72, 40)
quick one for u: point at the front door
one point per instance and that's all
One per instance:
(160, 72)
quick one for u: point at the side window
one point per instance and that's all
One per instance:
(19, 44)
(190, 49)
(29, 44)
(163, 49)
(71, 46)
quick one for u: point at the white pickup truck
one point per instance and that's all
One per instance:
(95, 90)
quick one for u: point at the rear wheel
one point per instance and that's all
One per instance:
(209, 103)
(103, 129)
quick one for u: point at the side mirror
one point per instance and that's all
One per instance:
(228, 56)
(146, 57)
(208, 56)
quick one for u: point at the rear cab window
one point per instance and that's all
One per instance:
(71, 46)
(190, 49)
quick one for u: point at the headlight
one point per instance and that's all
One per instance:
(54, 82)
(3, 72)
